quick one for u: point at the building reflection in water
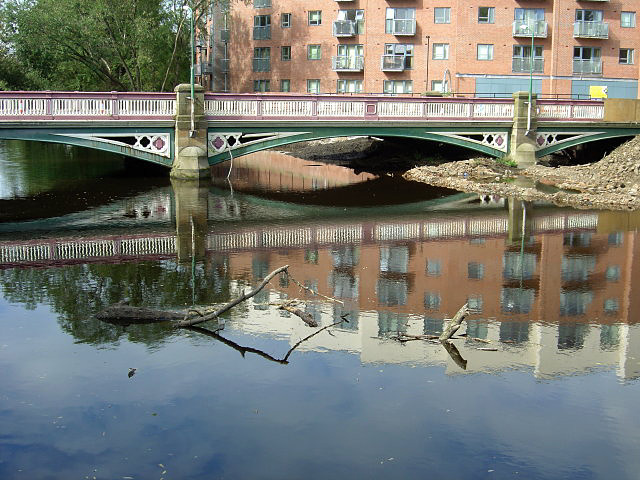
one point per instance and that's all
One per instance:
(559, 302)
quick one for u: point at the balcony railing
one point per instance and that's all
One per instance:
(401, 26)
(224, 64)
(591, 30)
(347, 63)
(344, 28)
(523, 64)
(524, 28)
(592, 67)
(392, 63)
(225, 35)
(261, 64)
(262, 33)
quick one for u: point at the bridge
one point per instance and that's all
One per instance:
(189, 136)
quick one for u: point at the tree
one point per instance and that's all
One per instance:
(123, 45)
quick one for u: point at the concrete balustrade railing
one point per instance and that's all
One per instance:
(116, 105)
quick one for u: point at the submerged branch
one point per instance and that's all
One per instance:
(454, 324)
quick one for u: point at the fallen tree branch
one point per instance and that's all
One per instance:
(310, 290)
(194, 320)
(343, 319)
(453, 352)
(454, 324)
(304, 316)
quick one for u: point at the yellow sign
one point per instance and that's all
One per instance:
(597, 91)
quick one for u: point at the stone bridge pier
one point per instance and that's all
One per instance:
(190, 150)
(522, 145)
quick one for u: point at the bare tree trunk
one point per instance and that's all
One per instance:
(454, 324)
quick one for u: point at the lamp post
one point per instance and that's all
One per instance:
(427, 66)
(533, 32)
(191, 35)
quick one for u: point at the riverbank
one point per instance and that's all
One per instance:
(612, 183)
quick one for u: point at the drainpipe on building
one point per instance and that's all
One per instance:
(427, 89)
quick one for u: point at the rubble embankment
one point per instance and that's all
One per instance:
(613, 183)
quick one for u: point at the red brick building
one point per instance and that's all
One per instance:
(480, 47)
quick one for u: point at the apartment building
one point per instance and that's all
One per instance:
(481, 47)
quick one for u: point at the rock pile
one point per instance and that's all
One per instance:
(612, 183)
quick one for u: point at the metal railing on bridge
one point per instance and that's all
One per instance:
(222, 106)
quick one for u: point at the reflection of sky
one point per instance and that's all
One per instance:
(202, 411)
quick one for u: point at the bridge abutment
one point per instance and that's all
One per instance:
(190, 150)
(522, 144)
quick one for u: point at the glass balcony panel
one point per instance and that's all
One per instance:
(347, 63)
(262, 33)
(344, 28)
(261, 64)
(392, 63)
(585, 29)
(224, 64)
(524, 28)
(593, 67)
(406, 26)
(523, 64)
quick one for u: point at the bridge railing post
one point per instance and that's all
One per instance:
(190, 150)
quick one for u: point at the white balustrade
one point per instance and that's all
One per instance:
(86, 249)
(400, 109)
(144, 107)
(231, 108)
(588, 112)
(554, 111)
(24, 253)
(340, 109)
(493, 110)
(145, 246)
(488, 226)
(16, 107)
(287, 108)
(448, 110)
(81, 107)
(232, 241)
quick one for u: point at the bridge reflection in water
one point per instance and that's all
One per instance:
(553, 290)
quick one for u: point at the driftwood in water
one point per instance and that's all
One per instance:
(304, 316)
(454, 324)
(123, 314)
(453, 352)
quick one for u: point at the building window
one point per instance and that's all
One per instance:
(261, 86)
(285, 85)
(262, 27)
(285, 20)
(628, 19)
(350, 58)
(261, 3)
(285, 53)
(588, 15)
(626, 56)
(486, 14)
(398, 86)
(442, 15)
(349, 86)
(315, 17)
(485, 51)
(475, 303)
(587, 60)
(397, 56)
(440, 51)
(437, 86)
(400, 21)
(349, 21)
(432, 301)
(313, 86)
(434, 268)
(314, 52)
(475, 270)
(612, 274)
(611, 305)
(262, 59)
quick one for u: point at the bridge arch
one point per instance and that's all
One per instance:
(551, 140)
(153, 145)
(224, 140)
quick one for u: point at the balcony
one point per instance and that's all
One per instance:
(262, 33)
(392, 63)
(261, 64)
(224, 64)
(523, 64)
(225, 35)
(347, 63)
(401, 26)
(344, 28)
(587, 67)
(591, 30)
(524, 28)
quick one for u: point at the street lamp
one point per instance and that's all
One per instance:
(533, 32)
(189, 10)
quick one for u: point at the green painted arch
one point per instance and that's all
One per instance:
(315, 133)
(601, 135)
(64, 136)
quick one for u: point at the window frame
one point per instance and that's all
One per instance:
(262, 81)
(489, 52)
(310, 48)
(446, 11)
(316, 81)
(632, 17)
(282, 83)
(284, 16)
(629, 58)
(490, 17)
(311, 21)
(445, 47)
(393, 83)
(346, 82)
(282, 53)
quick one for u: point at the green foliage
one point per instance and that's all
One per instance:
(507, 162)
(123, 45)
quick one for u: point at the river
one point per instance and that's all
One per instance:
(542, 383)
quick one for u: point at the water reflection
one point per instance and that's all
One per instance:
(566, 280)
